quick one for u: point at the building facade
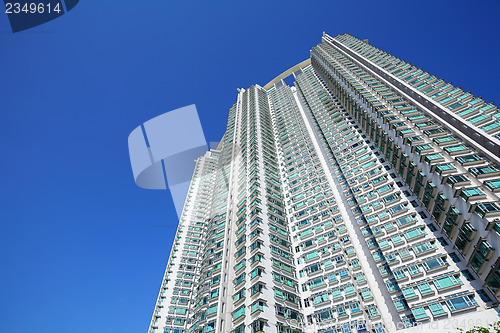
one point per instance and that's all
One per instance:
(365, 197)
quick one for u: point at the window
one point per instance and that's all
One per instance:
(436, 309)
(409, 293)
(452, 180)
(404, 254)
(434, 264)
(311, 255)
(239, 329)
(240, 265)
(447, 282)
(461, 302)
(239, 312)
(485, 209)
(336, 294)
(366, 294)
(445, 168)
(470, 193)
(316, 282)
(483, 250)
(209, 327)
(392, 286)
(320, 299)
(484, 296)
(256, 272)
(257, 306)
(414, 270)
(399, 274)
(413, 233)
(349, 291)
(239, 279)
(400, 303)
(397, 240)
(454, 257)
(423, 248)
(360, 279)
(212, 310)
(239, 295)
(257, 326)
(341, 311)
(256, 257)
(425, 289)
(372, 312)
(355, 308)
(383, 244)
(256, 288)
(344, 274)
(332, 278)
(419, 313)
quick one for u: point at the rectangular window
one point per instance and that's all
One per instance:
(447, 282)
(425, 289)
(436, 309)
(462, 302)
(409, 293)
(419, 313)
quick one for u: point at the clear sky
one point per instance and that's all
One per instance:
(83, 249)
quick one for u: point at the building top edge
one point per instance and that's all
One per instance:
(287, 73)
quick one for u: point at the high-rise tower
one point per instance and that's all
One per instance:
(363, 198)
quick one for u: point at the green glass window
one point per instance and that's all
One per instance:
(419, 313)
(433, 264)
(256, 272)
(366, 294)
(239, 312)
(444, 167)
(320, 299)
(481, 254)
(444, 140)
(256, 288)
(447, 282)
(257, 306)
(478, 119)
(491, 126)
(471, 192)
(432, 157)
(239, 279)
(400, 303)
(423, 247)
(413, 233)
(212, 310)
(494, 281)
(311, 255)
(468, 159)
(436, 309)
(409, 292)
(397, 240)
(341, 311)
(456, 149)
(461, 302)
(424, 289)
(493, 184)
(336, 294)
(421, 148)
(414, 270)
(373, 312)
(399, 274)
(392, 286)
(487, 208)
(349, 290)
(384, 244)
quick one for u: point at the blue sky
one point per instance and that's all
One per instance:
(82, 248)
